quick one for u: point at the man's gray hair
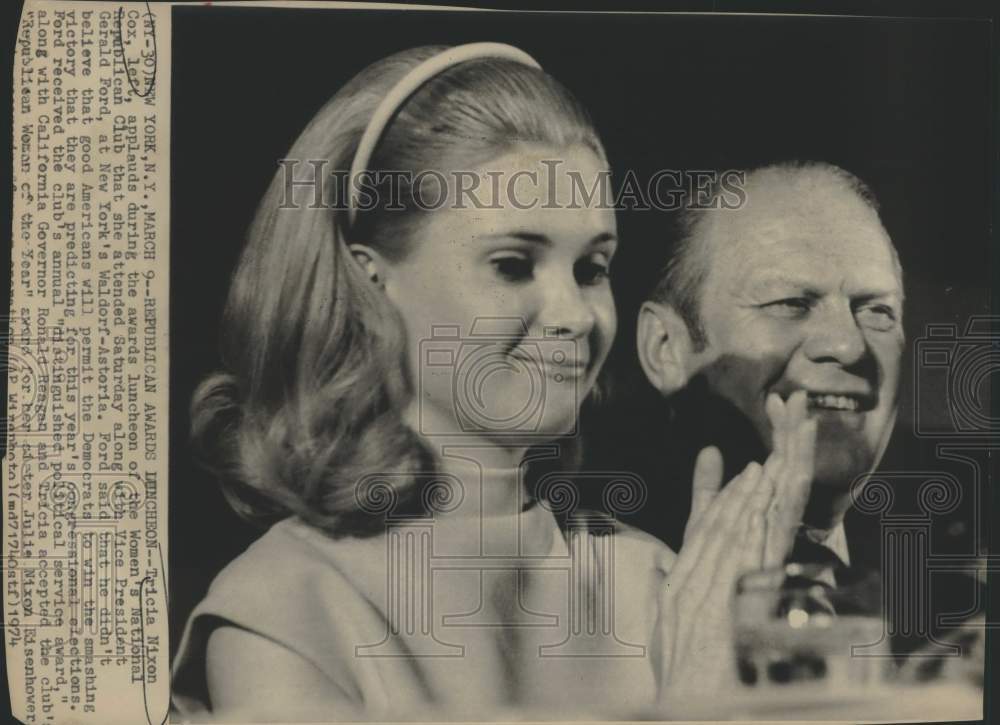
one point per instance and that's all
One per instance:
(681, 279)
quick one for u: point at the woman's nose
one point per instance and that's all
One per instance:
(567, 309)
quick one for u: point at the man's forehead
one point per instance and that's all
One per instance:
(791, 215)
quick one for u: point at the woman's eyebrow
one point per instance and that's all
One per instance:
(523, 236)
(544, 240)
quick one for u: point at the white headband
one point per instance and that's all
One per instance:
(406, 87)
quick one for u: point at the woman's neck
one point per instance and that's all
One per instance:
(490, 474)
(491, 478)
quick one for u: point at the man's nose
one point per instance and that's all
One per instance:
(566, 308)
(835, 336)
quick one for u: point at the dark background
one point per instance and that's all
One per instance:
(904, 103)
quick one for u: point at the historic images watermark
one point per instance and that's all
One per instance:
(502, 379)
(311, 182)
(953, 369)
(952, 374)
(499, 378)
(584, 621)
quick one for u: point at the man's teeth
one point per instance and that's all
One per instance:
(834, 402)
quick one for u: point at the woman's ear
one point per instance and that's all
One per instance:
(371, 262)
(665, 347)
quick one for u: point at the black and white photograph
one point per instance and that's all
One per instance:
(565, 364)
(579, 365)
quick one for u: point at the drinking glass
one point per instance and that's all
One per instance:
(811, 624)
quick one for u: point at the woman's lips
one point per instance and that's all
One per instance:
(558, 367)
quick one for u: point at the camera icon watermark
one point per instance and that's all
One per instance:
(499, 381)
(953, 377)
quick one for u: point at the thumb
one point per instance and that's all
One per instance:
(707, 481)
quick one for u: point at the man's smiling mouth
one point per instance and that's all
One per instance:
(850, 403)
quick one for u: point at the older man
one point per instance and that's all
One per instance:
(800, 289)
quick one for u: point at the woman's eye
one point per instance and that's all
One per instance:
(592, 270)
(513, 268)
(877, 317)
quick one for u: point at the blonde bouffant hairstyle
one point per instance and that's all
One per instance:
(314, 381)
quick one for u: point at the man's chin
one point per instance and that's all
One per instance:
(839, 464)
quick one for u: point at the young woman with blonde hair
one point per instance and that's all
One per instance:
(411, 573)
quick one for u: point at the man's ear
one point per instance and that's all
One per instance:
(371, 262)
(666, 352)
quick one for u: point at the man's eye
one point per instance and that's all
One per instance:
(790, 306)
(592, 270)
(514, 269)
(877, 317)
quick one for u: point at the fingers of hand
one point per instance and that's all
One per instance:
(702, 614)
(702, 584)
(797, 419)
(755, 525)
(786, 438)
(719, 540)
(789, 469)
(723, 504)
(805, 450)
(795, 481)
(780, 530)
(792, 468)
(795, 408)
(775, 408)
(707, 480)
(750, 532)
(774, 470)
(733, 562)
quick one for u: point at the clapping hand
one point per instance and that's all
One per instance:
(749, 524)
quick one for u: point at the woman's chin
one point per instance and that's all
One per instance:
(502, 421)
(543, 429)
(555, 423)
